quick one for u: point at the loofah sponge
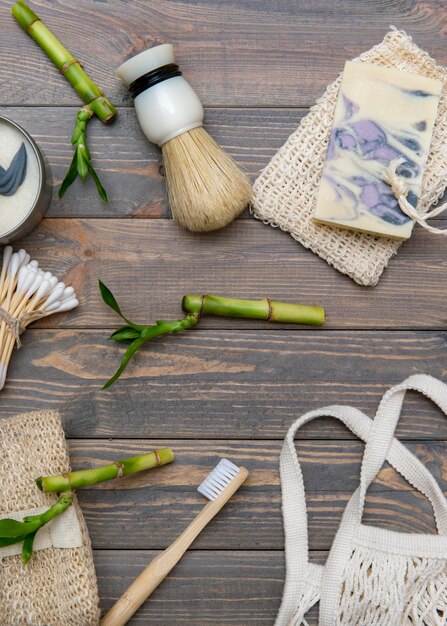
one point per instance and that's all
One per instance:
(285, 193)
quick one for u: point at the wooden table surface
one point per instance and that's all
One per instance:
(230, 388)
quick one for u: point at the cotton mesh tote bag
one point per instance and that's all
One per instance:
(372, 576)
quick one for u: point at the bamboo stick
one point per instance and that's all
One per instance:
(85, 478)
(12, 283)
(65, 62)
(95, 101)
(7, 253)
(254, 309)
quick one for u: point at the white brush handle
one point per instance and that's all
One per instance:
(159, 568)
(167, 109)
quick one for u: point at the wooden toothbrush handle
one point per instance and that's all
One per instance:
(159, 568)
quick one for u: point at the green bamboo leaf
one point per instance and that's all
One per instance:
(77, 134)
(134, 346)
(99, 187)
(10, 528)
(109, 298)
(145, 333)
(27, 547)
(125, 334)
(86, 151)
(81, 163)
(12, 531)
(70, 177)
(9, 541)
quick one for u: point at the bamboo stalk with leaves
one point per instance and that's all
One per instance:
(95, 101)
(195, 306)
(13, 531)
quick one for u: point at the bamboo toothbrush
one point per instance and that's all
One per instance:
(206, 188)
(219, 486)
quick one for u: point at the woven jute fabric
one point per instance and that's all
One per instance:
(58, 586)
(285, 193)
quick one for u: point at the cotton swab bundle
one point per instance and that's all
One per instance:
(27, 294)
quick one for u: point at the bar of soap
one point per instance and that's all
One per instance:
(382, 116)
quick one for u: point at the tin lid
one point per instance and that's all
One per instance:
(39, 206)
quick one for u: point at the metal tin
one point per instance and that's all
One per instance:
(43, 198)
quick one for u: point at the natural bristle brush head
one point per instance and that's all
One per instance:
(216, 481)
(206, 188)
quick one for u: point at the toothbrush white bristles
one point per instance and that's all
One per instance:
(27, 293)
(218, 479)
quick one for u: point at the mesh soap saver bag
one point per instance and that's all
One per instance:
(285, 193)
(58, 586)
(372, 576)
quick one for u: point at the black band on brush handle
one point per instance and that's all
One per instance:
(153, 78)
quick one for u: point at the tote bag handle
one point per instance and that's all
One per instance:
(293, 494)
(382, 432)
(381, 446)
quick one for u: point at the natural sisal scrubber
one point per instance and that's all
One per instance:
(285, 194)
(58, 586)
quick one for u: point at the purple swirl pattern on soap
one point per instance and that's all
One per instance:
(370, 141)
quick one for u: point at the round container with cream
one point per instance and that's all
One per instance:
(24, 189)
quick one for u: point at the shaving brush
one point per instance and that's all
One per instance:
(206, 188)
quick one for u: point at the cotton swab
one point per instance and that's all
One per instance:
(27, 294)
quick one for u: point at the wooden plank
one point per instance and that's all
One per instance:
(214, 383)
(150, 264)
(148, 510)
(154, 518)
(240, 53)
(130, 167)
(205, 588)
(220, 384)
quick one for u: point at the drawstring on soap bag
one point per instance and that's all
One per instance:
(400, 190)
